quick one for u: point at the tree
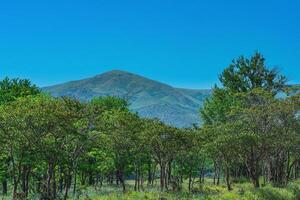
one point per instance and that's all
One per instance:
(41, 132)
(267, 134)
(112, 118)
(123, 128)
(190, 158)
(10, 90)
(162, 141)
(246, 74)
(249, 87)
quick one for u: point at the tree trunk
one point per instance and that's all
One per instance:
(49, 178)
(117, 178)
(190, 180)
(54, 184)
(215, 173)
(123, 182)
(4, 187)
(227, 178)
(67, 185)
(142, 181)
(27, 181)
(162, 176)
(75, 181)
(60, 179)
(23, 179)
(136, 180)
(169, 171)
(120, 176)
(149, 173)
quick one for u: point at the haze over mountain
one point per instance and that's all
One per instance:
(175, 106)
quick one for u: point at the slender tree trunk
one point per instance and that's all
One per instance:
(149, 173)
(215, 173)
(117, 178)
(162, 176)
(166, 180)
(227, 178)
(49, 178)
(75, 181)
(16, 181)
(120, 176)
(54, 184)
(255, 178)
(169, 171)
(190, 180)
(61, 180)
(27, 181)
(23, 182)
(122, 181)
(136, 180)
(4, 187)
(16, 178)
(142, 180)
(67, 185)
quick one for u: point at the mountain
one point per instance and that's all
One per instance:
(175, 106)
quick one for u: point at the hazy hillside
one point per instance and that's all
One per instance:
(149, 98)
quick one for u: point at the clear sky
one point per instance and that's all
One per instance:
(185, 43)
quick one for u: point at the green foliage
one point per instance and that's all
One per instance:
(11, 89)
(247, 74)
(108, 103)
(248, 125)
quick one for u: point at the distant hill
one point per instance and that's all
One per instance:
(175, 106)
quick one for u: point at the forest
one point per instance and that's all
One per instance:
(247, 146)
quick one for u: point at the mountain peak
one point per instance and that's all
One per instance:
(116, 72)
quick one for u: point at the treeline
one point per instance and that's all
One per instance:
(53, 146)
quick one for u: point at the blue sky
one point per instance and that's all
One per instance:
(185, 43)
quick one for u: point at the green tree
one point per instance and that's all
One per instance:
(11, 89)
(246, 74)
(247, 86)
(162, 141)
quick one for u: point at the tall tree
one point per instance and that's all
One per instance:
(10, 90)
(245, 74)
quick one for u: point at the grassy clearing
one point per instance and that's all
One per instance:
(243, 191)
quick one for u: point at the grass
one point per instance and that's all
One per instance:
(242, 191)
(208, 191)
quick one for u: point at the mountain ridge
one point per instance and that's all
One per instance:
(175, 106)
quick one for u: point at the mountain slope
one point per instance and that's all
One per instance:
(175, 106)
